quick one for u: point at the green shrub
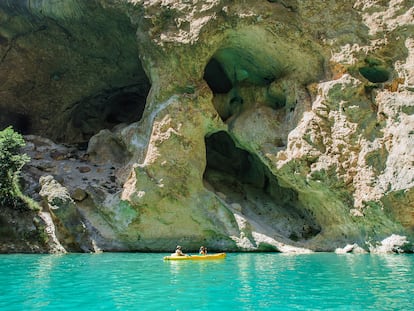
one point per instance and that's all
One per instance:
(11, 163)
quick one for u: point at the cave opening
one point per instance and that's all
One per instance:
(375, 74)
(241, 76)
(67, 80)
(216, 77)
(20, 122)
(106, 110)
(375, 70)
(124, 108)
(238, 176)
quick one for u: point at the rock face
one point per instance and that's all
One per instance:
(27, 232)
(273, 125)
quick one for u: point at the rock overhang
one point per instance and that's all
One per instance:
(85, 64)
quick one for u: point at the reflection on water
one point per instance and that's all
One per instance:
(244, 278)
(40, 275)
(242, 282)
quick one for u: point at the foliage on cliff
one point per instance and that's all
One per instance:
(11, 163)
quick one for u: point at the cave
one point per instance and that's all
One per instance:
(20, 122)
(125, 108)
(105, 110)
(216, 77)
(235, 73)
(222, 87)
(68, 80)
(243, 178)
(223, 156)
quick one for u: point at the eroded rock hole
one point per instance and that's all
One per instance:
(216, 77)
(375, 74)
(237, 75)
(239, 177)
(375, 70)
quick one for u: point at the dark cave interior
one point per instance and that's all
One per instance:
(243, 178)
(19, 121)
(233, 72)
(216, 77)
(105, 111)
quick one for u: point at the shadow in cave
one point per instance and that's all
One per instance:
(21, 123)
(105, 111)
(125, 107)
(240, 177)
(216, 77)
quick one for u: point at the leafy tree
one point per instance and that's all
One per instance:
(11, 163)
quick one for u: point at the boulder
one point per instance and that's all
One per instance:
(70, 227)
(393, 244)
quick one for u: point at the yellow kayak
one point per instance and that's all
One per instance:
(197, 257)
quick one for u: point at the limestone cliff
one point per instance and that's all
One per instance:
(241, 125)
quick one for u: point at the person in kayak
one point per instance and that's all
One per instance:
(203, 250)
(179, 252)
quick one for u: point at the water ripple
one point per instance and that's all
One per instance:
(241, 282)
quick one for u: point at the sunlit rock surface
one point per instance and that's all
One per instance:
(244, 126)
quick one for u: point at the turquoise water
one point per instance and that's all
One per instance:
(269, 281)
